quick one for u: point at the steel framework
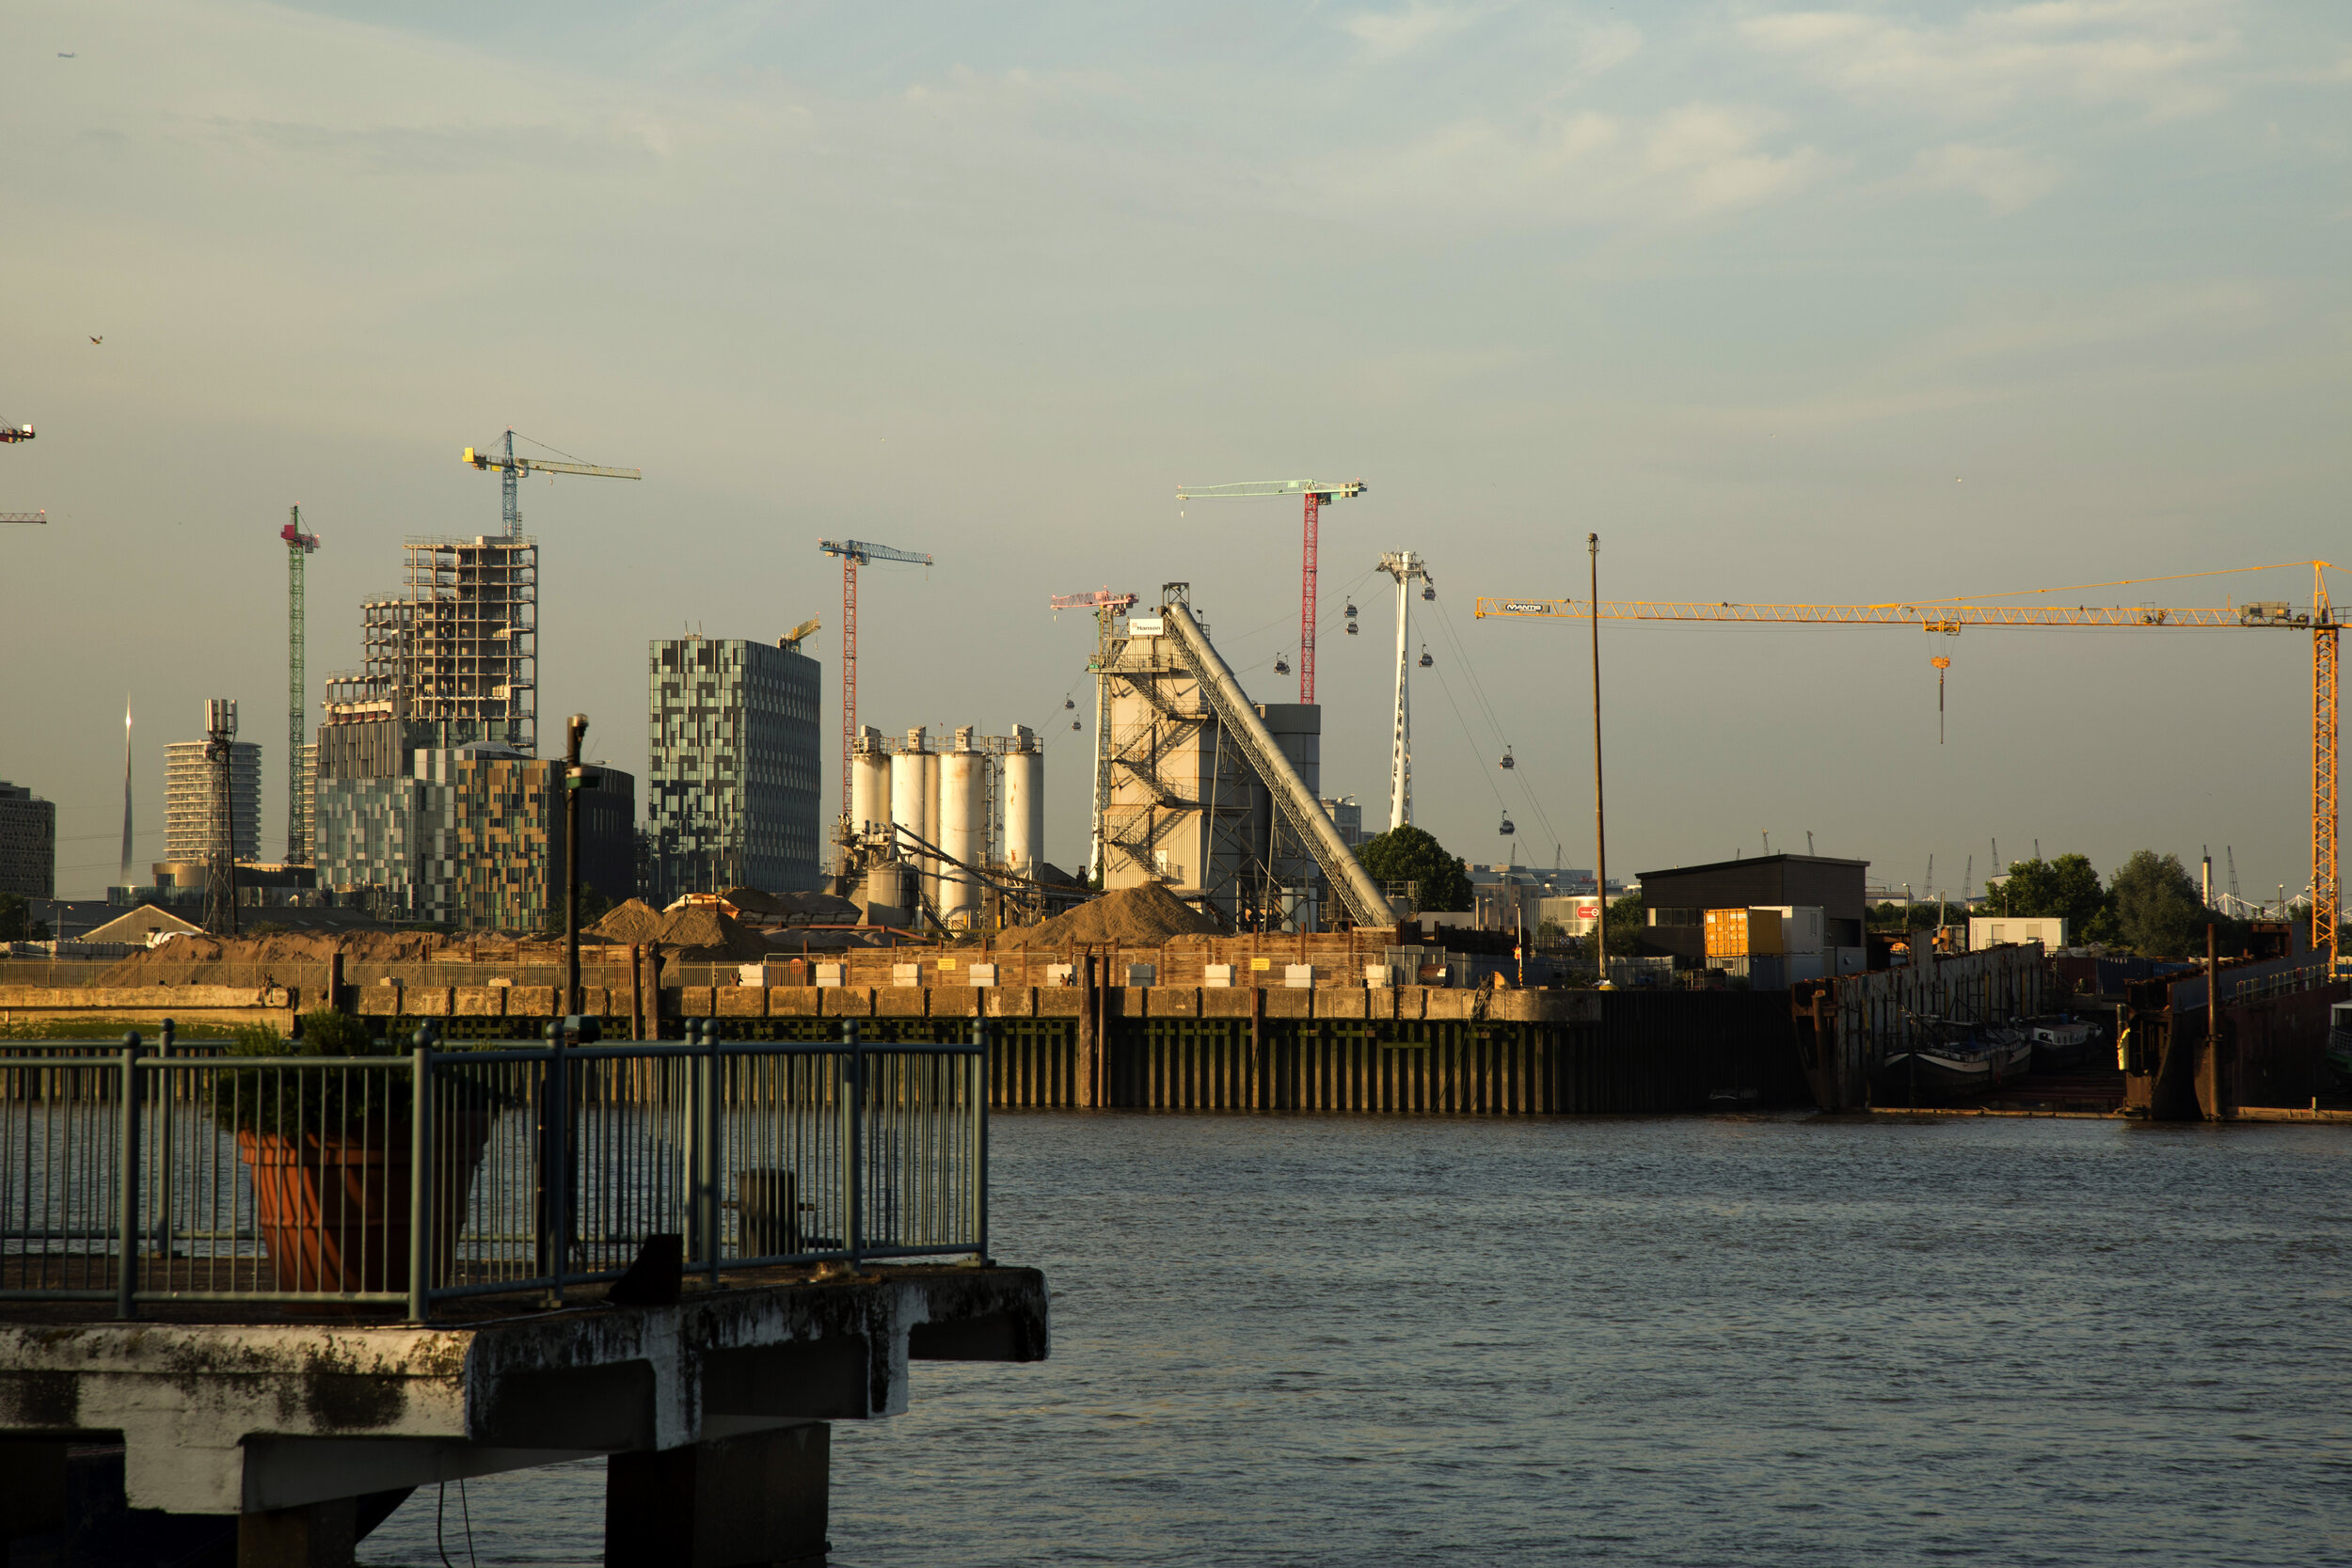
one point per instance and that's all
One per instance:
(855, 553)
(298, 545)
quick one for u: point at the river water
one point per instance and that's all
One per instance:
(1695, 1340)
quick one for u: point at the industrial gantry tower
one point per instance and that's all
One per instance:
(298, 545)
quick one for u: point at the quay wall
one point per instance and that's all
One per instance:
(1403, 1049)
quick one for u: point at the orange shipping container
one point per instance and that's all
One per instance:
(1742, 933)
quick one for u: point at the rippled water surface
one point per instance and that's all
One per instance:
(1703, 1341)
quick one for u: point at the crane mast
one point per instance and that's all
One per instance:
(854, 553)
(1314, 494)
(298, 546)
(1949, 616)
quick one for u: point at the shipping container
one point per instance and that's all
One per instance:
(1738, 933)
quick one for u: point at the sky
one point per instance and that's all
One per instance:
(1820, 305)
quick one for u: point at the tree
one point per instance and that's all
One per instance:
(1406, 854)
(1627, 918)
(17, 923)
(2066, 887)
(2156, 905)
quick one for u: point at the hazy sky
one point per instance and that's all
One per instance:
(1880, 301)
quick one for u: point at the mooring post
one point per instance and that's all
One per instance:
(166, 1200)
(1084, 1067)
(708, 1175)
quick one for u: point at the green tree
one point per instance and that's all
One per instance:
(2066, 887)
(1627, 917)
(1406, 854)
(2155, 907)
(17, 923)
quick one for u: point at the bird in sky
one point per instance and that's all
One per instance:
(98, 339)
(63, 55)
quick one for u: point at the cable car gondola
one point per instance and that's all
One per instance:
(1068, 703)
(1351, 628)
(1428, 590)
(1074, 723)
(1351, 609)
(1426, 661)
(1507, 758)
(1506, 830)
(1281, 665)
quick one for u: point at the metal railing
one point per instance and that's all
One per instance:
(137, 1175)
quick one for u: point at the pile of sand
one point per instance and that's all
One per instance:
(791, 909)
(1130, 917)
(703, 932)
(632, 922)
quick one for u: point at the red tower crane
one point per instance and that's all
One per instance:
(854, 553)
(1314, 493)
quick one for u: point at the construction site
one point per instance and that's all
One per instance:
(1223, 923)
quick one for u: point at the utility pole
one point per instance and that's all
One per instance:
(1600, 817)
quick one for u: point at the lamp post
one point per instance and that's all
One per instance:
(574, 781)
(1600, 817)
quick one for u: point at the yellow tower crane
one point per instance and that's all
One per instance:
(1949, 617)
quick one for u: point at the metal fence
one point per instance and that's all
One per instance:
(405, 1179)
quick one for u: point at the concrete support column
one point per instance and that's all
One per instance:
(314, 1535)
(32, 1490)
(735, 1502)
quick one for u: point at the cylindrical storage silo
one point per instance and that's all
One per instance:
(931, 823)
(907, 796)
(1025, 808)
(963, 830)
(889, 896)
(870, 783)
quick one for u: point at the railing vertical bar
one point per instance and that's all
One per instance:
(127, 1222)
(420, 1227)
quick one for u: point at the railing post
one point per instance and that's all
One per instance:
(421, 1180)
(853, 1097)
(979, 1100)
(711, 1164)
(127, 1221)
(165, 1161)
(556, 1161)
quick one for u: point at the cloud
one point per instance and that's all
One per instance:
(1687, 163)
(2158, 55)
(2007, 178)
(1386, 34)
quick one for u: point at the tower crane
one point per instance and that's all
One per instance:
(1949, 617)
(298, 545)
(511, 468)
(792, 639)
(1314, 493)
(1105, 606)
(855, 553)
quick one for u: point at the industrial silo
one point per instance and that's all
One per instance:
(908, 795)
(1025, 802)
(869, 781)
(930, 824)
(963, 825)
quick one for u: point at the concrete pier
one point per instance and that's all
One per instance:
(714, 1410)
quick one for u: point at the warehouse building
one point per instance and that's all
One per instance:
(1675, 901)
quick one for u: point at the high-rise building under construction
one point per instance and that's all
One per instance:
(191, 798)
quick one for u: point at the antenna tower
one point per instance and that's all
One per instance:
(220, 874)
